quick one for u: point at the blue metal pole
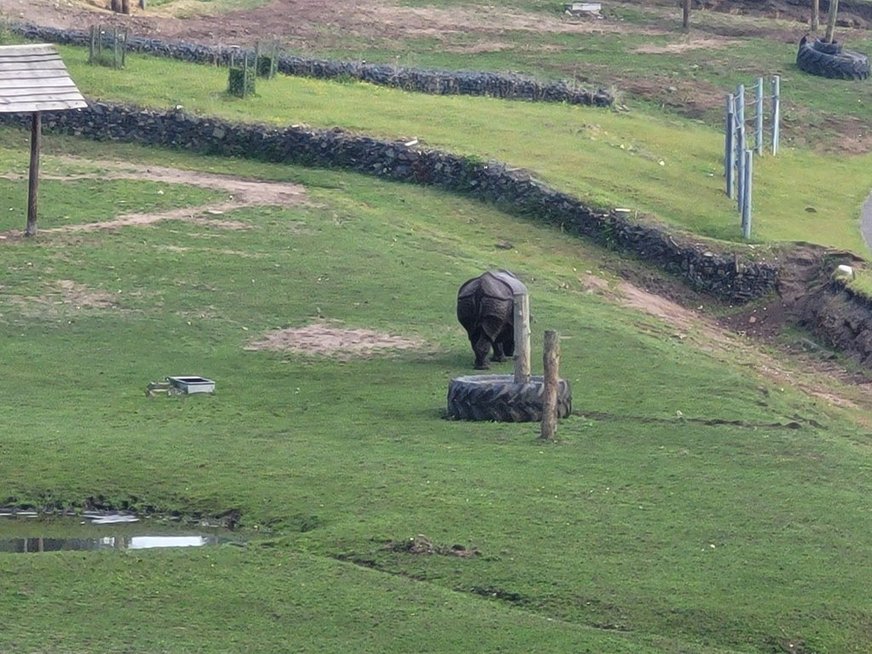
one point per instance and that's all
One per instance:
(746, 204)
(776, 113)
(740, 144)
(758, 140)
(730, 146)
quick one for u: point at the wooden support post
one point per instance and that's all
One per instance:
(522, 338)
(125, 6)
(33, 181)
(551, 361)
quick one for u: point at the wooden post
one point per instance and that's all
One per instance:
(685, 15)
(522, 337)
(551, 361)
(831, 21)
(125, 6)
(33, 181)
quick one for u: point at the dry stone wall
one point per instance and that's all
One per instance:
(842, 319)
(723, 274)
(438, 82)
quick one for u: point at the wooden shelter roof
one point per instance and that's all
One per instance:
(34, 78)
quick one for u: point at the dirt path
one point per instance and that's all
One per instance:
(240, 193)
(302, 23)
(822, 380)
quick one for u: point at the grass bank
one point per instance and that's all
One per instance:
(643, 160)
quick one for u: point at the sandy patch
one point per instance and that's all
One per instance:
(684, 46)
(328, 340)
(84, 297)
(63, 298)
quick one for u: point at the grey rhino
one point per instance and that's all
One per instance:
(486, 309)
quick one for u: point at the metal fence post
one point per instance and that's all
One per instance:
(776, 113)
(729, 145)
(758, 142)
(740, 143)
(746, 203)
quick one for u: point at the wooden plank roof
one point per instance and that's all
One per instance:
(34, 78)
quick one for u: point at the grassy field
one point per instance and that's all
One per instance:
(694, 502)
(707, 495)
(643, 160)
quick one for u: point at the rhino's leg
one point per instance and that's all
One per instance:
(481, 347)
(507, 342)
(499, 356)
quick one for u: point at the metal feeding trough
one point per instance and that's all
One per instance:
(179, 385)
(190, 385)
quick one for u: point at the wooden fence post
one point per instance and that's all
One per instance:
(522, 337)
(33, 180)
(551, 361)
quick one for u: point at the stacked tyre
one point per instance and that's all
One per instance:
(831, 60)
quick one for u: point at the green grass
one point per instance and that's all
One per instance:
(693, 502)
(689, 505)
(646, 161)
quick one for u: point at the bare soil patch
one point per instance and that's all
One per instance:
(240, 193)
(84, 297)
(727, 341)
(331, 340)
(302, 22)
(63, 298)
(684, 46)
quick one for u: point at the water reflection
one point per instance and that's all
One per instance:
(40, 544)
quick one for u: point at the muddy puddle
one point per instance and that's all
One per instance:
(27, 532)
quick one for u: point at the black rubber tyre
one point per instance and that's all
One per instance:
(844, 65)
(833, 48)
(498, 398)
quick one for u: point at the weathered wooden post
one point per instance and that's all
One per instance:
(522, 335)
(551, 362)
(33, 180)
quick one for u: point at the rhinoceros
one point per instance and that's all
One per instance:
(486, 309)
